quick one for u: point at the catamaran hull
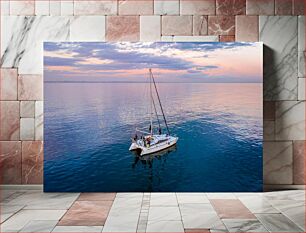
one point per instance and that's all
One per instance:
(154, 148)
(134, 146)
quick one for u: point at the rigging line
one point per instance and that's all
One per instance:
(156, 113)
(161, 107)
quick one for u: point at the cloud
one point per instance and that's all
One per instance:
(207, 67)
(127, 59)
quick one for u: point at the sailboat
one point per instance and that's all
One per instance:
(151, 143)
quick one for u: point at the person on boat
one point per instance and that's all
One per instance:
(159, 131)
(136, 137)
(148, 142)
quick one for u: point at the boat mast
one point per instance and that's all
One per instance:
(151, 110)
(161, 107)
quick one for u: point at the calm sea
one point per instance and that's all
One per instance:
(88, 127)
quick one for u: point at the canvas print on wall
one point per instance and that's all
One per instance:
(125, 117)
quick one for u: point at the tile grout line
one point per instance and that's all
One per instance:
(143, 216)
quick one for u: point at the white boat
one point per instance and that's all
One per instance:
(150, 143)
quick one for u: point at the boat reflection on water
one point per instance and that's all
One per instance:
(148, 159)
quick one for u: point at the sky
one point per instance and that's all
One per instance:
(215, 62)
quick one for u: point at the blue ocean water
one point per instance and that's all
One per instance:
(88, 127)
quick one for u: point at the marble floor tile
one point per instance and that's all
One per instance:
(200, 230)
(97, 197)
(163, 199)
(231, 208)
(75, 229)
(297, 195)
(209, 220)
(39, 226)
(9, 210)
(129, 195)
(258, 205)
(40, 200)
(161, 213)
(165, 226)
(190, 198)
(220, 196)
(122, 219)
(238, 225)
(90, 213)
(23, 217)
(196, 207)
(6, 193)
(278, 223)
(14, 194)
(294, 210)
(199, 216)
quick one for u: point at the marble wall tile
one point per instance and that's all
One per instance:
(39, 118)
(27, 109)
(27, 129)
(42, 7)
(299, 162)
(260, 7)
(22, 7)
(283, 7)
(122, 28)
(301, 89)
(22, 40)
(230, 7)
(10, 160)
(150, 28)
(269, 130)
(189, 38)
(279, 35)
(8, 87)
(66, 7)
(195, 7)
(196, 38)
(269, 110)
(176, 25)
(290, 120)
(277, 162)
(5, 7)
(224, 38)
(32, 162)
(55, 8)
(9, 120)
(301, 46)
(221, 25)
(106, 7)
(247, 28)
(200, 25)
(166, 7)
(135, 7)
(30, 87)
(298, 7)
(87, 28)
